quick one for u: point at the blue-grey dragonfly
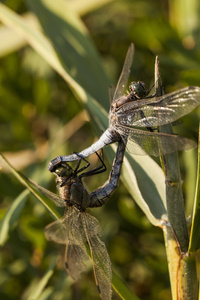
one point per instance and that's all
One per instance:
(77, 227)
(134, 116)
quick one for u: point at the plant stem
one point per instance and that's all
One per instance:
(182, 268)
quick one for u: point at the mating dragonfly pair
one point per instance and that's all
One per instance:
(77, 227)
(130, 114)
(127, 112)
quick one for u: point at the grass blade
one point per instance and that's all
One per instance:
(44, 200)
(122, 290)
(11, 216)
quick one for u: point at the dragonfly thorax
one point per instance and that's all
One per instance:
(73, 192)
(79, 196)
(138, 89)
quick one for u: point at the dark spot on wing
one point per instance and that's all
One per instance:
(66, 265)
(98, 289)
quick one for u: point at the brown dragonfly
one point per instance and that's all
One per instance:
(78, 228)
(134, 116)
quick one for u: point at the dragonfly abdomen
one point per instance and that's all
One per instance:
(101, 195)
(108, 137)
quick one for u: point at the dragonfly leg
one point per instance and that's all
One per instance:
(102, 168)
(74, 172)
(146, 122)
(77, 170)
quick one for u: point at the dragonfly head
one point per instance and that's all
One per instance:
(138, 89)
(64, 170)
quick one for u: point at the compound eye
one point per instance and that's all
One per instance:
(63, 170)
(138, 89)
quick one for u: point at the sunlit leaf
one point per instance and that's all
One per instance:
(34, 291)
(121, 288)
(11, 217)
(73, 46)
(45, 201)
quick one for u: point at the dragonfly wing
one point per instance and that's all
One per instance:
(100, 257)
(124, 76)
(159, 111)
(54, 197)
(76, 252)
(56, 231)
(145, 142)
(111, 92)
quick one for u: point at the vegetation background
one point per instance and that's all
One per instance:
(38, 110)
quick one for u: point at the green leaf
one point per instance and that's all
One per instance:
(184, 16)
(10, 41)
(144, 180)
(121, 288)
(25, 181)
(11, 216)
(34, 291)
(194, 243)
(46, 294)
(73, 46)
(87, 6)
(41, 45)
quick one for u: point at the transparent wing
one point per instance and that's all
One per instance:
(100, 257)
(76, 252)
(55, 198)
(124, 76)
(159, 111)
(111, 92)
(144, 142)
(57, 231)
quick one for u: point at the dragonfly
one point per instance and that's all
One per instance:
(134, 116)
(78, 227)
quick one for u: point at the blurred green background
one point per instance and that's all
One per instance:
(36, 103)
